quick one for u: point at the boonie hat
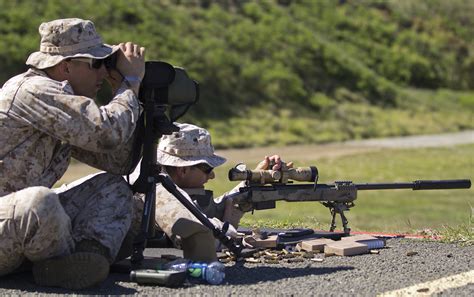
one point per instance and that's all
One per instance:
(68, 38)
(190, 146)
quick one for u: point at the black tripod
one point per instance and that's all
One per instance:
(163, 87)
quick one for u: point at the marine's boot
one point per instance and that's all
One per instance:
(200, 247)
(126, 249)
(86, 267)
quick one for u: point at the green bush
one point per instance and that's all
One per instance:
(310, 57)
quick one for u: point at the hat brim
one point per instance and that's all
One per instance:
(42, 60)
(166, 159)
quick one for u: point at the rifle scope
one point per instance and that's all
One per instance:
(305, 174)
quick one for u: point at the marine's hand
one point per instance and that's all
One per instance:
(276, 160)
(232, 213)
(131, 60)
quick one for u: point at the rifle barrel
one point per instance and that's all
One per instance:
(419, 185)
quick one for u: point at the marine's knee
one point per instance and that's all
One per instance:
(113, 178)
(120, 186)
(38, 210)
(186, 228)
(40, 200)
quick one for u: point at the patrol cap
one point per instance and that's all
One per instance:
(190, 146)
(68, 38)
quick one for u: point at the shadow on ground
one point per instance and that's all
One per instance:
(117, 283)
(241, 275)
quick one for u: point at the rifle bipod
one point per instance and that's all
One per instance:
(339, 208)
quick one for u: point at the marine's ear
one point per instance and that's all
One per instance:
(182, 171)
(59, 71)
(64, 66)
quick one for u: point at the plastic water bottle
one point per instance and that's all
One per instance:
(213, 273)
(177, 265)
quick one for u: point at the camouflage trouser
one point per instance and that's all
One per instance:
(39, 223)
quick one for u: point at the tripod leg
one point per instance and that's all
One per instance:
(147, 224)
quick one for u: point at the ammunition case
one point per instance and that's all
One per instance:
(166, 278)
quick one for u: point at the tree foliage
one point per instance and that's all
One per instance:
(304, 55)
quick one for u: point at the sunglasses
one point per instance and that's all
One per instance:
(204, 168)
(93, 63)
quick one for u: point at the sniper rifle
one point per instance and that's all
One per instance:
(264, 187)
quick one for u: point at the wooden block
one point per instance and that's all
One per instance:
(346, 248)
(359, 237)
(298, 247)
(371, 241)
(269, 242)
(314, 245)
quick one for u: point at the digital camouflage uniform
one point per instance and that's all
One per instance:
(42, 125)
(190, 146)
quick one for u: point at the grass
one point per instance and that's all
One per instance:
(462, 234)
(381, 211)
(420, 112)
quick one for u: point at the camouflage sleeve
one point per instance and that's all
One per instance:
(118, 162)
(52, 107)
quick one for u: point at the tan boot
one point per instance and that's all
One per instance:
(86, 267)
(200, 247)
